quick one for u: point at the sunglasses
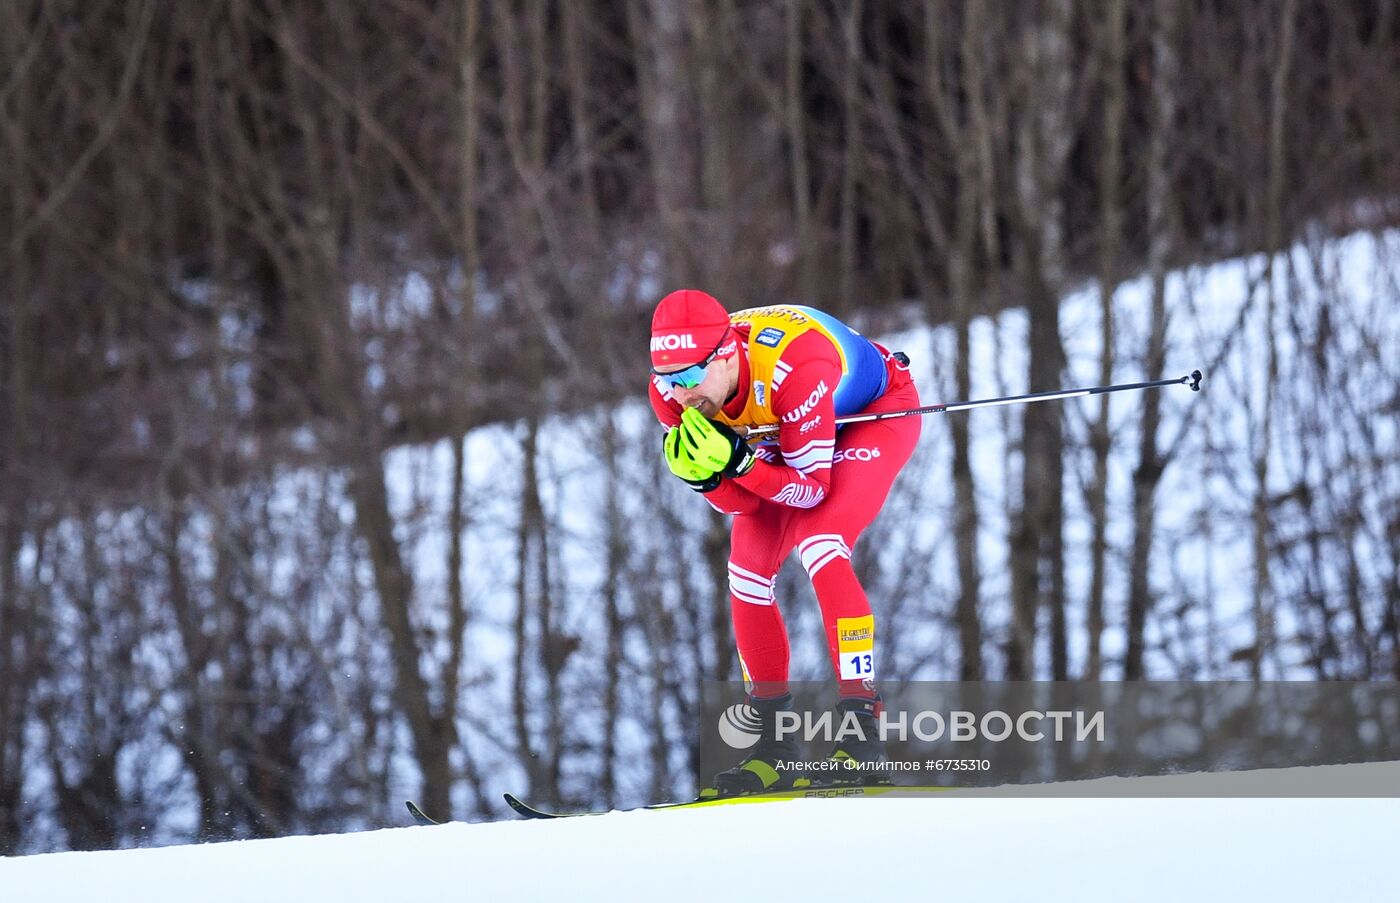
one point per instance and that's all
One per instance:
(693, 375)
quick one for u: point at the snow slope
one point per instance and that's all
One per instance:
(972, 846)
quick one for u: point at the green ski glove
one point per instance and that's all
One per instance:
(678, 458)
(715, 445)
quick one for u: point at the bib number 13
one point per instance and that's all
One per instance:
(854, 666)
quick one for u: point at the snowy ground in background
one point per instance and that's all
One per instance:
(946, 848)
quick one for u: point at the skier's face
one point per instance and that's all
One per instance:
(709, 395)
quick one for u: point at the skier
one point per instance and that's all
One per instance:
(715, 374)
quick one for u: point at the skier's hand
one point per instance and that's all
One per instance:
(681, 462)
(715, 445)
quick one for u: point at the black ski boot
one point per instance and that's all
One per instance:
(858, 754)
(765, 768)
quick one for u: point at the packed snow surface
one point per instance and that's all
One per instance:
(969, 847)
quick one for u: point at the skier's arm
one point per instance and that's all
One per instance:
(806, 438)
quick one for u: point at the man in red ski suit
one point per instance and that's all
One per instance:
(716, 374)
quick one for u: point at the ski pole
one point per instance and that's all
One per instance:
(1193, 380)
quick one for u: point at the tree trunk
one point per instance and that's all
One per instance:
(1110, 225)
(962, 266)
(1037, 553)
(615, 556)
(796, 121)
(1161, 229)
(659, 39)
(1262, 603)
(522, 701)
(468, 252)
(15, 640)
(850, 151)
(576, 61)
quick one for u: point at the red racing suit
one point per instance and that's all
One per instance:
(815, 489)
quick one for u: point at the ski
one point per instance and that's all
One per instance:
(419, 815)
(525, 810)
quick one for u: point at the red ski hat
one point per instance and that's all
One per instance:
(686, 328)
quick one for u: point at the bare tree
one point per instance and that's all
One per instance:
(960, 105)
(1044, 138)
(1110, 225)
(850, 148)
(1161, 232)
(1263, 599)
(666, 108)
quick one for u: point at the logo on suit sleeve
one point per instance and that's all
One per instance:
(770, 336)
(806, 407)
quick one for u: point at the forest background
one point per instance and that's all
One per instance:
(247, 245)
